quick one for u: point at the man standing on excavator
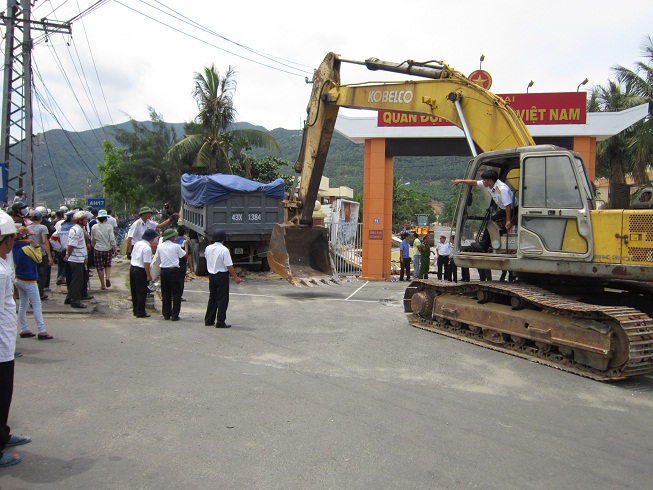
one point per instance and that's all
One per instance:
(502, 196)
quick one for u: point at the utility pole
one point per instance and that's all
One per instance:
(16, 135)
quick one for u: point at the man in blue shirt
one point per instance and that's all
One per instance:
(404, 253)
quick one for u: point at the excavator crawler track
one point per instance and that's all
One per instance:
(597, 342)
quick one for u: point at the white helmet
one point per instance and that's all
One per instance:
(79, 215)
(41, 209)
(63, 209)
(7, 225)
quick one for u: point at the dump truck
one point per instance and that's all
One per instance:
(582, 299)
(246, 210)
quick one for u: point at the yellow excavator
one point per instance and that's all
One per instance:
(582, 298)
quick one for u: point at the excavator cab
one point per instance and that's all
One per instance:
(301, 254)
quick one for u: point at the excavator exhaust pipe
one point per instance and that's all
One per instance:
(301, 255)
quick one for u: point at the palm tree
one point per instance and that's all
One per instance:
(640, 85)
(211, 147)
(613, 153)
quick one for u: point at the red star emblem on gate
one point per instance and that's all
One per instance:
(482, 78)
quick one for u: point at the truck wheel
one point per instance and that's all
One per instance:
(199, 263)
(264, 265)
(200, 267)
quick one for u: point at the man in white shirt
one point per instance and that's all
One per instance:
(417, 255)
(139, 272)
(8, 331)
(220, 267)
(444, 254)
(77, 258)
(142, 224)
(169, 254)
(501, 194)
(111, 219)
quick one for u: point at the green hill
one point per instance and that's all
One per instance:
(65, 163)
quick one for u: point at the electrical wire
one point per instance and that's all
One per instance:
(54, 170)
(97, 75)
(51, 111)
(206, 42)
(67, 135)
(197, 25)
(70, 86)
(85, 84)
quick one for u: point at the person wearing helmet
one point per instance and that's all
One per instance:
(8, 331)
(220, 267)
(76, 257)
(138, 227)
(139, 272)
(20, 213)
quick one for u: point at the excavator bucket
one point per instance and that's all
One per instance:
(301, 255)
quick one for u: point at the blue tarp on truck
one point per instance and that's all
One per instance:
(202, 190)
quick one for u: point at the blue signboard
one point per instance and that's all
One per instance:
(96, 202)
(3, 182)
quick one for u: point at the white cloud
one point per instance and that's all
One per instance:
(142, 63)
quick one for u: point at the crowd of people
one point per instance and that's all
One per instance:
(143, 242)
(72, 243)
(419, 252)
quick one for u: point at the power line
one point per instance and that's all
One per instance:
(206, 42)
(54, 171)
(85, 84)
(97, 75)
(54, 116)
(209, 31)
(70, 86)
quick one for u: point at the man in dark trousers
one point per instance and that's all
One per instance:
(139, 272)
(404, 252)
(220, 267)
(8, 331)
(170, 253)
(444, 255)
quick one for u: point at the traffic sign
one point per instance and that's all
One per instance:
(96, 202)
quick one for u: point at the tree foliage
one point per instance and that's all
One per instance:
(209, 145)
(146, 146)
(406, 203)
(631, 151)
(121, 189)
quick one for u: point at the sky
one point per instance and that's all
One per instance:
(125, 62)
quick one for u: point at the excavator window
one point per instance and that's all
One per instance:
(550, 183)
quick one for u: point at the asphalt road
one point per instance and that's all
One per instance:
(325, 387)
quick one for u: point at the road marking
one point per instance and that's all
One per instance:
(348, 298)
(366, 283)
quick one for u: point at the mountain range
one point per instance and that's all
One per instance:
(65, 163)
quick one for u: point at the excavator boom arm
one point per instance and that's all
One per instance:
(299, 252)
(491, 122)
